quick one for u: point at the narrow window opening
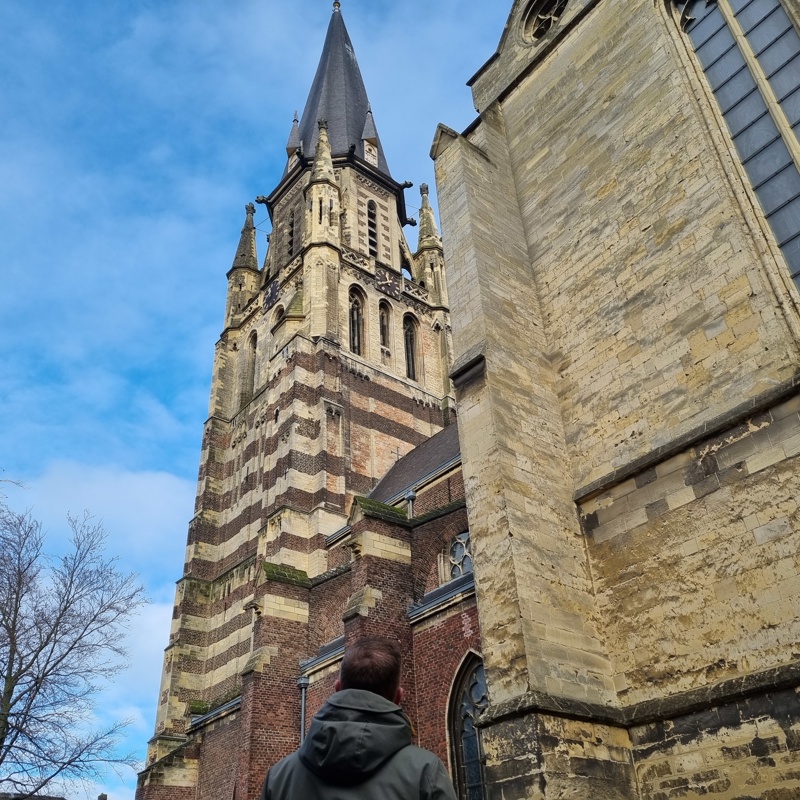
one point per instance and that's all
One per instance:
(248, 376)
(290, 236)
(356, 323)
(410, 341)
(372, 228)
(384, 325)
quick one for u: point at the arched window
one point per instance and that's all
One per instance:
(356, 322)
(410, 342)
(469, 699)
(385, 321)
(750, 53)
(460, 556)
(372, 228)
(248, 377)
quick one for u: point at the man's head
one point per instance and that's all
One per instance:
(372, 663)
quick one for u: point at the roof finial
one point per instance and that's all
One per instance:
(336, 6)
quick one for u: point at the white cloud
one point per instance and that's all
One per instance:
(145, 514)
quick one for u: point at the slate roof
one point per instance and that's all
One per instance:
(338, 95)
(423, 460)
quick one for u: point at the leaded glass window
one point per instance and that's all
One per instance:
(750, 53)
(460, 556)
(470, 697)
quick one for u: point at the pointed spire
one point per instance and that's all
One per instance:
(338, 94)
(246, 257)
(323, 163)
(295, 143)
(428, 230)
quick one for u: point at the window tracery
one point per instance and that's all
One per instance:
(460, 556)
(470, 697)
(540, 17)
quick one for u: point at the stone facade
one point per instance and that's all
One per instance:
(625, 327)
(625, 358)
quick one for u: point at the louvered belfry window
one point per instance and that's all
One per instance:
(750, 53)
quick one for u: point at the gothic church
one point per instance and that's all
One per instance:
(578, 509)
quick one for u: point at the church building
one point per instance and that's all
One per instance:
(622, 240)
(555, 453)
(330, 503)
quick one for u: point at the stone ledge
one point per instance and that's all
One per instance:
(775, 679)
(692, 437)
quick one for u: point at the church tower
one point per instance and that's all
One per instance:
(332, 365)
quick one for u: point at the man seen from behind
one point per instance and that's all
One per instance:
(359, 743)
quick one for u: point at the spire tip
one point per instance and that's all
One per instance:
(336, 6)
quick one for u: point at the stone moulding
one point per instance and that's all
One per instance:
(658, 710)
(224, 710)
(692, 437)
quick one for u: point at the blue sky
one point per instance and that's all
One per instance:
(132, 134)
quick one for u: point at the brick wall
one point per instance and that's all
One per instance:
(440, 646)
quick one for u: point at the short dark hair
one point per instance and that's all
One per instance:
(372, 663)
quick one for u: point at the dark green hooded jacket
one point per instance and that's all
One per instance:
(358, 748)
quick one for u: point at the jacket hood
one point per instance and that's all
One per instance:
(352, 735)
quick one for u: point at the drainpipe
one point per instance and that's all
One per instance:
(302, 685)
(410, 496)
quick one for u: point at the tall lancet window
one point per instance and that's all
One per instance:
(469, 699)
(372, 228)
(384, 320)
(410, 341)
(356, 322)
(750, 53)
(248, 376)
(290, 235)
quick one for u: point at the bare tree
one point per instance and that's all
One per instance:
(61, 626)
